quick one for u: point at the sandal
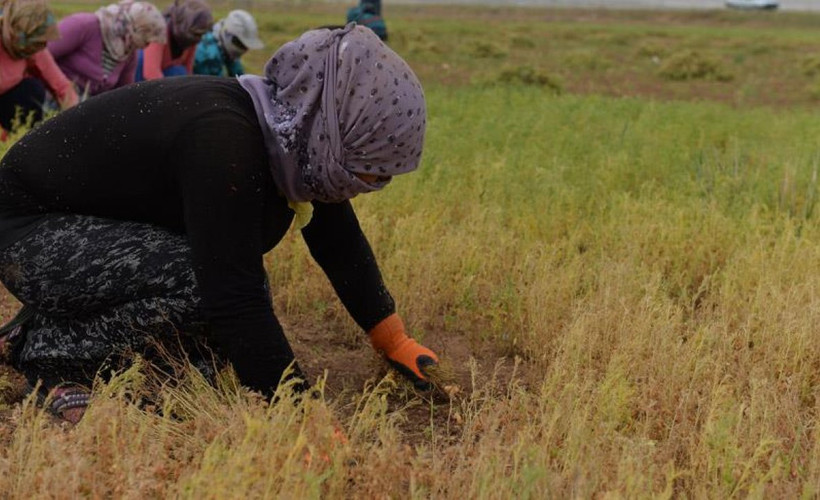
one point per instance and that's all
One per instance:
(69, 402)
(66, 401)
(11, 335)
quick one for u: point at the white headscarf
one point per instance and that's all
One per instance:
(128, 26)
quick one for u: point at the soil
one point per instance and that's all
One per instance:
(350, 365)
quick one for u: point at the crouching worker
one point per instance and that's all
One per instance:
(143, 214)
(187, 21)
(25, 64)
(220, 50)
(98, 51)
(369, 14)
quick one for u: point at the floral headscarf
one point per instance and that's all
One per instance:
(188, 21)
(26, 26)
(336, 103)
(128, 26)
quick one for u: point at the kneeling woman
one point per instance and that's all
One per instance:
(146, 211)
(98, 51)
(187, 21)
(25, 64)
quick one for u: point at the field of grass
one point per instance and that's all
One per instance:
(614, 242)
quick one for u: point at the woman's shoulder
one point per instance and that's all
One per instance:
(82, 26)
(80, 20)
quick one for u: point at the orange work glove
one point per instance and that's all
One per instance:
(405, 354)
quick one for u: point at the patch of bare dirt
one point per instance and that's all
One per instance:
(350, 364)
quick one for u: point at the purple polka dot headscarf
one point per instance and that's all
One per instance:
(337, 103)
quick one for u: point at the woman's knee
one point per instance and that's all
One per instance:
(73, 264)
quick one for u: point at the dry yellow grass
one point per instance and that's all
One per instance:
(627, 292)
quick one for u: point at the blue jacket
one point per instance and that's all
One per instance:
(369, 13)
(210, 59)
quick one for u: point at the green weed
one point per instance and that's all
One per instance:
(692, 65)
(522, 42)
(526, 75)
(488, 50)
(586, 60)
(653, 49)
(810, 66)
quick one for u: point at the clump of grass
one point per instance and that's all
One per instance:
(612, 38)
(420, 42)
(425, 46)
(652, 49)
(527, 75)
(810, 65)
(522, 42)
(488, 50)
(442, 375)
(813, 90)
(585, 60)
(693, 65)
(759, 48)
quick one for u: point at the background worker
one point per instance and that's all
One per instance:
(220, 50)
(369, 14)
(187, 21)
(98, 51)
(25, 64)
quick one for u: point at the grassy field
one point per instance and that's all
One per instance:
(614, 242)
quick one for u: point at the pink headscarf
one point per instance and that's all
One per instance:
(128, 26)
(337, 103)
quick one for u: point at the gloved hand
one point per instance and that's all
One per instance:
(406, 355)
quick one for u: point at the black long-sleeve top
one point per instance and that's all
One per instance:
(187, 154)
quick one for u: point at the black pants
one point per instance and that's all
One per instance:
(100, 289)
(27, 97)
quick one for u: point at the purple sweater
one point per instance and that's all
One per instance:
(79, 50)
